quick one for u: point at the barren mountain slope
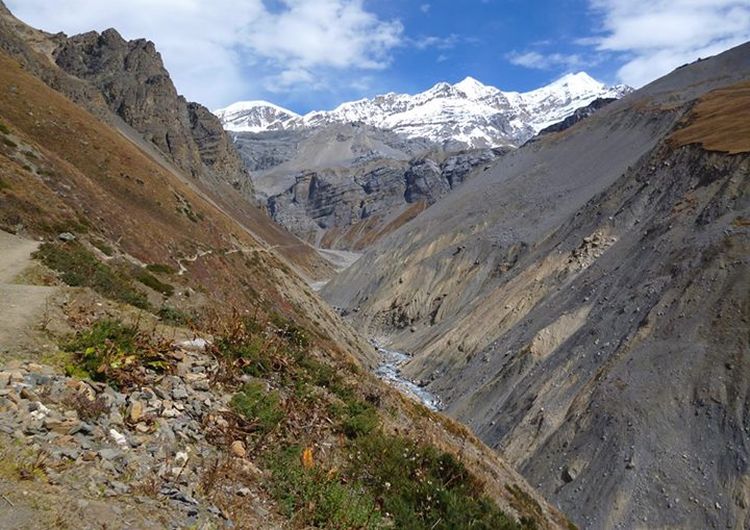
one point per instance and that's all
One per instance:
(183, 136)
(583, 305)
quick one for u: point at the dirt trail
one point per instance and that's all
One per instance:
(21, 306)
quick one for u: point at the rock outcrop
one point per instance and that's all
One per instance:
(579, 114)
(346, 186)
(136, 86)
(351, 209)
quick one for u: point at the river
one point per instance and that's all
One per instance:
(390, 371)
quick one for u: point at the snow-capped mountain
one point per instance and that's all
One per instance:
(466, 114)
(256, 116)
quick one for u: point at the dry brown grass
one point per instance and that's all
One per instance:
(720, 121)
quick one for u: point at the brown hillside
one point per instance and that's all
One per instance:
(720, 121)
(63, 170)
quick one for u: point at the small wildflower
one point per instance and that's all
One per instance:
(307, 458)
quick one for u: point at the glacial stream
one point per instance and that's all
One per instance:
(390, 372)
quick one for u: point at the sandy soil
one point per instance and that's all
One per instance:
(22, 307)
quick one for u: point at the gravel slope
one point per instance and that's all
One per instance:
(582, 305)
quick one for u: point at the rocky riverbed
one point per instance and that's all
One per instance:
(390, 371)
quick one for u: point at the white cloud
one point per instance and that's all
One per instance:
(548, 61)
(425, 8)
(225, 50)
(656, 36)
(432, 41)
(331, 33)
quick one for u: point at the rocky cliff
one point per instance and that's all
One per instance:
(136, 86)
(582, 305)
(351, 209)
(344, 186)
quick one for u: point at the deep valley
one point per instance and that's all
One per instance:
(459, 308)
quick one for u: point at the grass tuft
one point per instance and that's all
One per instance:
(423, 488)
(317, 497)
(160, 268)
(259, 406)
(105, 248)
(174, 317)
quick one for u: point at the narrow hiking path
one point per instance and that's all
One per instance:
(21, 306)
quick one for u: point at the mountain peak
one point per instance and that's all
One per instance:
(473, 88)
(256, 116)
(579, 81)
(254, 104)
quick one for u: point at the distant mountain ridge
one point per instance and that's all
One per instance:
(468, 114)
(256, 116)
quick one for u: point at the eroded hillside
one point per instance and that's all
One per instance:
(583, 305)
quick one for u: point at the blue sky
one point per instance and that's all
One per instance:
(314, 54)
(477, 38)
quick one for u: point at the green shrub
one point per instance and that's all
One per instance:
(252, 348)
(4, 128)
(295, 334)
(78, 267)
(386, 482)
(359, 419)
(160, 268)
(259, 405)
(173, 317)
(263, 352)
(325, 376)
(81, 225)
(4, 185)
(109, 349)
(423, 488)
(154, 283)
(104, 247)
(9, 142)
